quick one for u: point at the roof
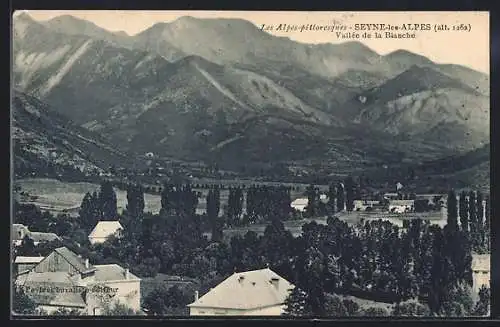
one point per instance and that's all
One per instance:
(20, 259)
(300, 201)
(61, 277)
(247, 290)
(52, 288)
(73, 259)
(401, 202)
(104, 229)
(112, 272)
(43, 237)
(481, 262)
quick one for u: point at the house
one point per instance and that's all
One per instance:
(258, 293)
(22, 264)
(361, 205)
(19, 232)
(300, 204)
(103, 230)
(480, 271)
(64, 280)
(401, 206)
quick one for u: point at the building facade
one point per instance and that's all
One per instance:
(251, 293)
(64, 280)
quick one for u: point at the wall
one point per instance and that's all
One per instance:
(267, 311)
(127, 293)
(97, 240)
(480, 278)
(49, 309)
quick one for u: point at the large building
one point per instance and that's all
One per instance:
(64, 280)
(103, 230)
(251, 293)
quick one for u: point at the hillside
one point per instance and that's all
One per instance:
(44, 141)
(223, 90)
(422, 102)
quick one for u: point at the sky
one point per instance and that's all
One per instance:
(469, 48)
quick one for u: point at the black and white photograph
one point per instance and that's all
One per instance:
(250, 163)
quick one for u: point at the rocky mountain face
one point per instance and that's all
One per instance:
(222, 89)
(45, 140)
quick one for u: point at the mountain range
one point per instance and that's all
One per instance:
(223, 90)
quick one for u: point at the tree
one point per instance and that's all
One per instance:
(107, 201)
(340, 197)
(213, 208)
(487, 227)
(480, 223)
(452, 210)
(296, 304)
(135, 201)
(164, 301)
(312, 201)
(349, 189)
(411, 308)
(66, 312)
(464, 212)
(457, 301)
(27, 247)
(374, 312)
(119, 309)
(472, 218)
(22, 304)
(331, 200)
(483, 305)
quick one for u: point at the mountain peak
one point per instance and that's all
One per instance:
(405, 58)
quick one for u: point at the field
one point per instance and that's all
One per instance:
(58, 197)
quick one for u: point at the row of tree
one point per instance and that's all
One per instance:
(471, 214)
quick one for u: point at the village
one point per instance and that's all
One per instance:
(63, 281)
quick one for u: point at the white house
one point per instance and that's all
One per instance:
(250, 293)
(300, 204)
(480, 271)
(401, 206)
(64, 280)
(103, 230)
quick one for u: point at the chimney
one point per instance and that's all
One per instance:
(126, 273)
(196, 294)
(241, 278)
(275, 282)
(87, 264)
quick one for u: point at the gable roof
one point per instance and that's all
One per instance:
(73, 259)
(21, 259)
(481, 262)
(247, 290)
(43, 237)
(104, 229)
(112, 272)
